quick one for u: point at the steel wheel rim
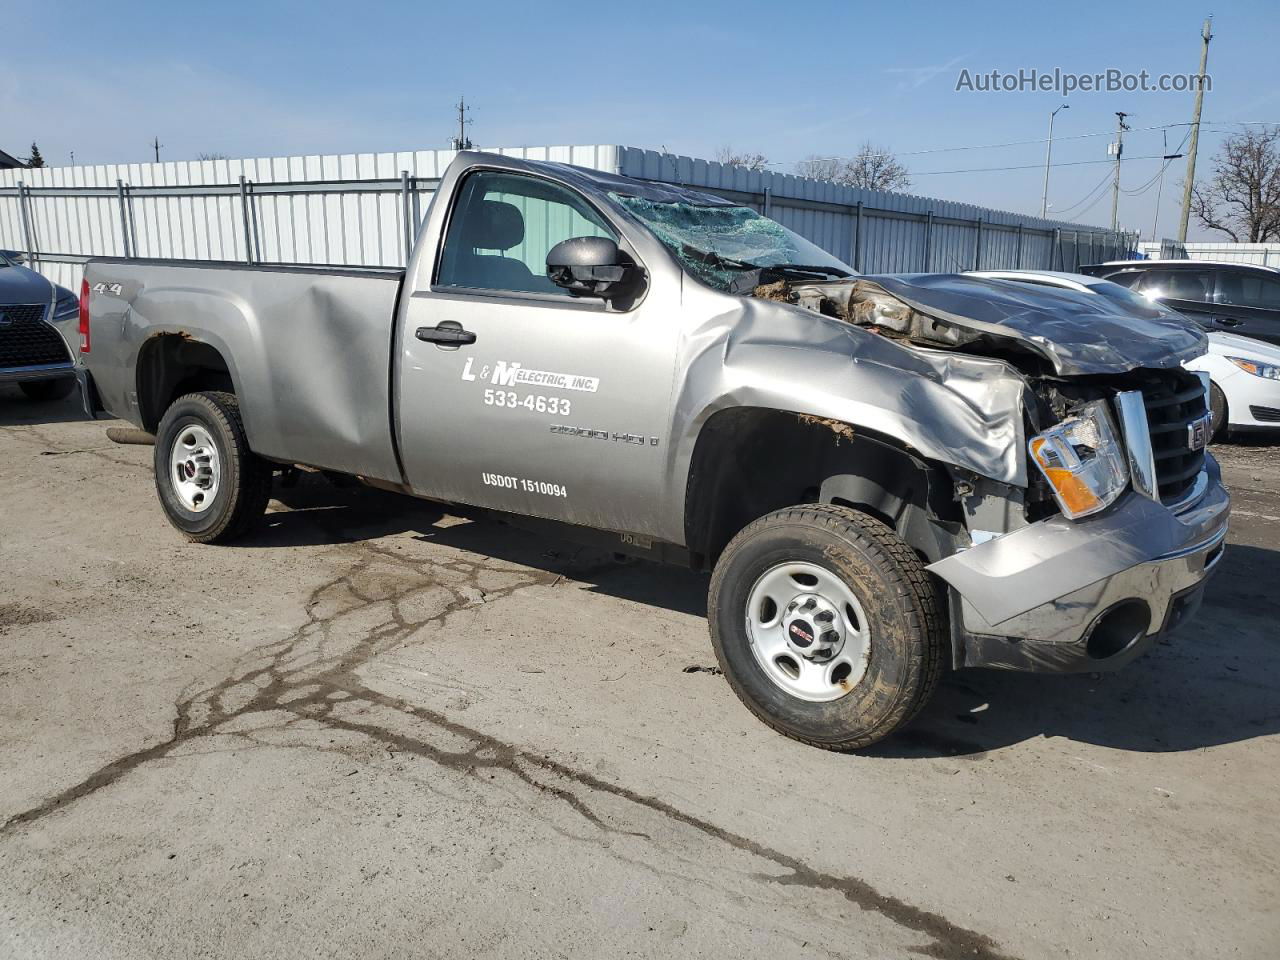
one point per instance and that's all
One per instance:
(779, 617)
(195, 467)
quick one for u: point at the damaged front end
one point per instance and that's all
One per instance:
(1106, 538)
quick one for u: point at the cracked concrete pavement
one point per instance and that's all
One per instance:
(380, 729)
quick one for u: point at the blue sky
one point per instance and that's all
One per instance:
(787, 80)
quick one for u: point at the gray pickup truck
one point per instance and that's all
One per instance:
(887, 475)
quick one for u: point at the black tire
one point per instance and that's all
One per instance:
(899, 598)
(46, 391)
(244, 478)
(1218, 428)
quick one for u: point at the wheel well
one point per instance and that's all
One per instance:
(751, 461)
(171, 365)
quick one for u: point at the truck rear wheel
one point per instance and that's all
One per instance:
(211, 485)
(826, 625)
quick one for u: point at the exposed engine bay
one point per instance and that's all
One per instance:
(1076, 352)
(1041, 330)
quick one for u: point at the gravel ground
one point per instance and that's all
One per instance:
(379, 730)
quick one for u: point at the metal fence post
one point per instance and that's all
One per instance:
(768, 200)
(26, 224)
(404, 216)
(928, 241)
(244, 214)
(977, 246)
(1017, 257)
(124, 220)
(857, 237)
(1057, 245)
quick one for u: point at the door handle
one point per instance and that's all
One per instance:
(1226, 321)
(448, 333)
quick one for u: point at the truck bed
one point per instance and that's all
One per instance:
(309, 349)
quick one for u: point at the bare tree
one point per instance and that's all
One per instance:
(737, 158)
(1242, 198)
(212, 156)
(871, 168)
(815, 167)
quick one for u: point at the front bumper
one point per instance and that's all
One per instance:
(44, 371)
(1063, 596)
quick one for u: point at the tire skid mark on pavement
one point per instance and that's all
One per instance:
(325, 682)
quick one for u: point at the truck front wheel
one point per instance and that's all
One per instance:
(211, 485)
(826, 625)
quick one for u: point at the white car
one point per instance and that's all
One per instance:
(1244, 373)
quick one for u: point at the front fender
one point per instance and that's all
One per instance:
(952, 408)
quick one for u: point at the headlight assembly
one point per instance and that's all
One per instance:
(1083, 461)
(66, 306)
(1257, 369)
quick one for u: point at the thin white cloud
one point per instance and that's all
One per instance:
(916, 77)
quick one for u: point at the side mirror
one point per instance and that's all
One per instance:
(589, 266)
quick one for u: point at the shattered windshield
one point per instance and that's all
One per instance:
(718, 245)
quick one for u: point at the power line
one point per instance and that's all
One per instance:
(1038, 140)
(1092, 203)
(1027, 166)
(1094, 189)
(1168, 159)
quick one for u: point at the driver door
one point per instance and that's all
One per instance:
(546, 404)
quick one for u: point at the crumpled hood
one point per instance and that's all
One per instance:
(1078, 333)
(20, 285)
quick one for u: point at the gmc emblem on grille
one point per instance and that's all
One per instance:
(1198, 433)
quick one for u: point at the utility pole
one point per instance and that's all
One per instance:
(156, 144)
(1048, 154)
(462, 141)
(1205, 36)
(1118, 149)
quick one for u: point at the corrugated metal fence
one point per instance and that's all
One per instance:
(364, 209)
(1262, 254)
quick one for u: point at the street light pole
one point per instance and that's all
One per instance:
(1048, 155)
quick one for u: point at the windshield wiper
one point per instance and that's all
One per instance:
(717, 259)
(805, 268)
(720, 260)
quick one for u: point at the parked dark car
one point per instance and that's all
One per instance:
(1239, 298)
(38, 326)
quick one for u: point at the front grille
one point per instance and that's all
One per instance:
(1265, 414)
(26, 340)
(1173, 400)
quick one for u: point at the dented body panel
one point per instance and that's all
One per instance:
(309, 351)
(592, 412)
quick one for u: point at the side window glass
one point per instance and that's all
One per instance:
(1177, 285)
(502, 228)
(1249, 290)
